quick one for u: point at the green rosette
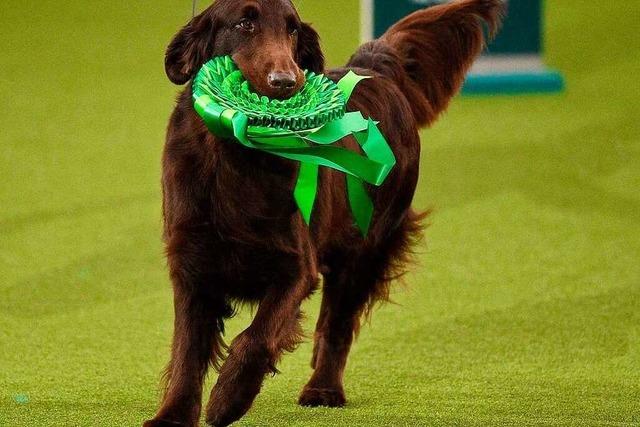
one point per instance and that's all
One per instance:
(318, 102)
(303, 128)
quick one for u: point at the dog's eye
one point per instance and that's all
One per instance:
(292, 26)
(246, 25)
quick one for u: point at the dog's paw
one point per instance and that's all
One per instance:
(219, 416)
(163, 423)
(229, 402)
(331, 398)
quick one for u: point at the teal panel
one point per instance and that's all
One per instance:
(388, 12)
(514, 83)
(522, 30)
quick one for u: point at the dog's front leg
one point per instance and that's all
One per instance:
(197, 342)
(255, 352)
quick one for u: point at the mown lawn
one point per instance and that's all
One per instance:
(525, 310)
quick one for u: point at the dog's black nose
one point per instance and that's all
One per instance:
(282, 81)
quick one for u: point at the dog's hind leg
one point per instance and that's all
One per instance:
(255, 352)
(345, 295)
(355, 281)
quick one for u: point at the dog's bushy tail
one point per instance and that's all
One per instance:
(429, 52)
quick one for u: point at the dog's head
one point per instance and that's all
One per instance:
(265, 38)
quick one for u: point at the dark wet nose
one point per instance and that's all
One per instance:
(282, 81)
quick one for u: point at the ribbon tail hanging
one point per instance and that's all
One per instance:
(361, 204)
(375, 146)
(306, 189)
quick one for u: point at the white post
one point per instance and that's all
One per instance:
(366, 20)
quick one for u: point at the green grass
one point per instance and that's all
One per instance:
(525, 308)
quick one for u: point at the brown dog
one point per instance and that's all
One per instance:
(232, 230)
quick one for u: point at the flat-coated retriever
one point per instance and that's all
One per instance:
(232, 229)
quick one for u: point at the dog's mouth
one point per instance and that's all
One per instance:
(278, 85)
(276, 76)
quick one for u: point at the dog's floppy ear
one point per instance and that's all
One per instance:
(309, 54)
(189, 49)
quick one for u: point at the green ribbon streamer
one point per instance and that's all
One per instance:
(313, 148)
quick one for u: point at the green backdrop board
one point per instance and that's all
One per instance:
(512, 63)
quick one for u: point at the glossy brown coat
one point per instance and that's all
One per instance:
(232, 230)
